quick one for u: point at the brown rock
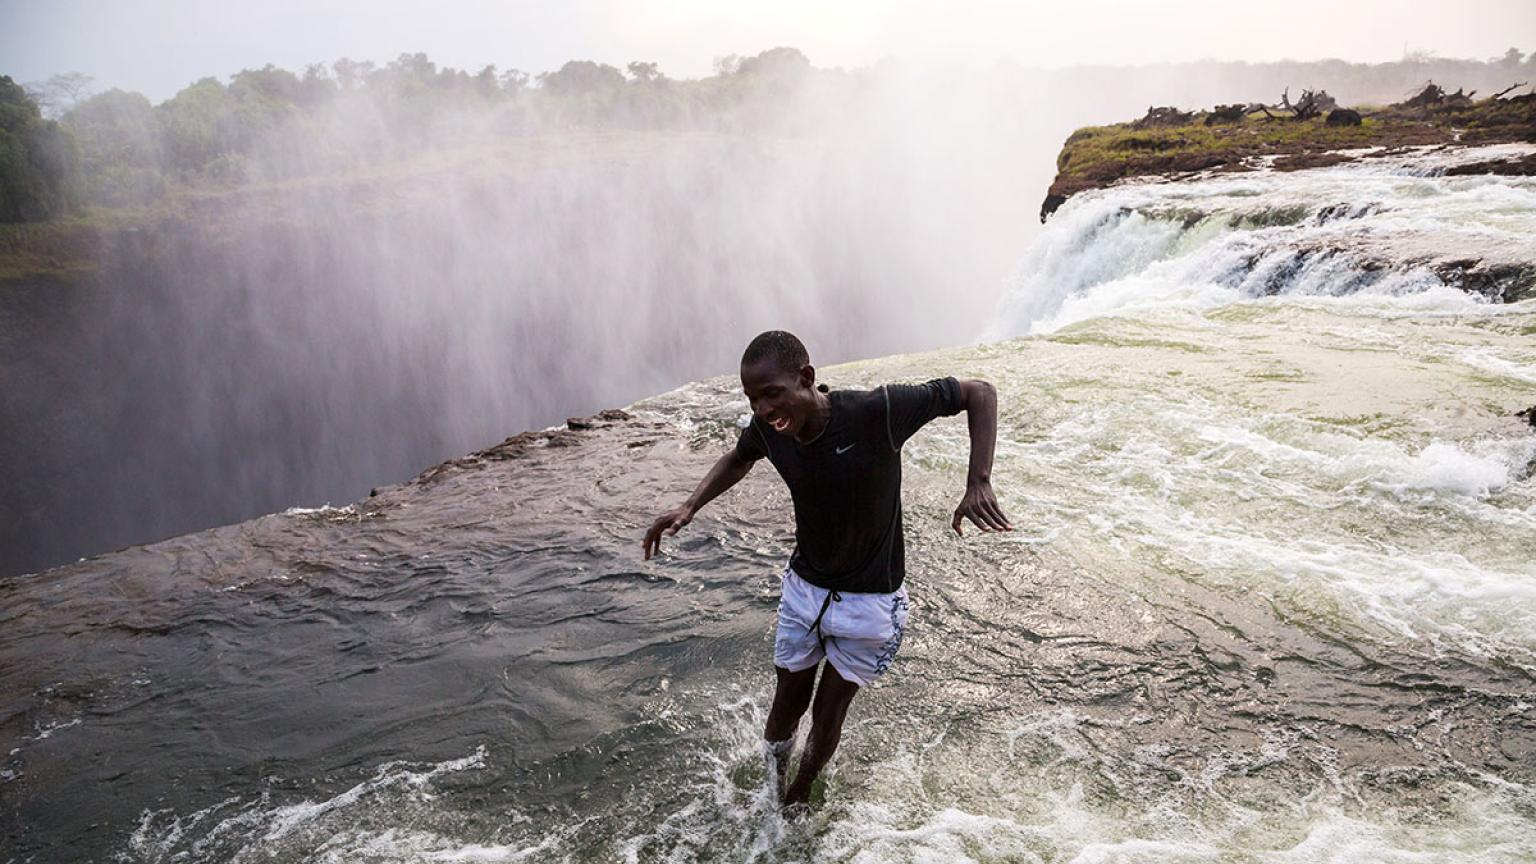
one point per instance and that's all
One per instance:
(1343, 117)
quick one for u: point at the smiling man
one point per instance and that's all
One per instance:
(839, 452)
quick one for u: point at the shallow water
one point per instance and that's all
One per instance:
(1272, 599)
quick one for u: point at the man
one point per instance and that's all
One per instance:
(839, 453)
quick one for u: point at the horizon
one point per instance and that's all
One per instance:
(163, 50)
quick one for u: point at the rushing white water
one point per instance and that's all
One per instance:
(1377, 229)
(1272, 598)
(1259, 390)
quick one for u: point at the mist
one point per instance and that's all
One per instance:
(381, 279)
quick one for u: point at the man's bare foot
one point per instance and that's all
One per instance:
(798, 793)
(794, 811)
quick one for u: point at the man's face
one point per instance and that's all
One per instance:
(782, 399)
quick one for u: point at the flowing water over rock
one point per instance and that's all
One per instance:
(1391, 226)
(1272, 599)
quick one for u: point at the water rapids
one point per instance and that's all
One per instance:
(1272, 599)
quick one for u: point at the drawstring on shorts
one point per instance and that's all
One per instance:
(832, 597)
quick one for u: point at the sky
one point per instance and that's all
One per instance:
(159, 46)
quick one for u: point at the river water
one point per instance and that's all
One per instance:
(1272, 597)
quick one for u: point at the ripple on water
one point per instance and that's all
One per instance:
(1048, 786)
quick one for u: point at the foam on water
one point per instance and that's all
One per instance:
(1210, 242)
(1447, 468)
(1432, 300)
(1485, 360)
(1053, 796)
(1040, 788)
(1255, 500)
(410, 846)
(1037, 807)
(236, 829)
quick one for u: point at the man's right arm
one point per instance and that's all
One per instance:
(727, 472)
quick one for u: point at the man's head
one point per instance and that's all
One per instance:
(780, 383)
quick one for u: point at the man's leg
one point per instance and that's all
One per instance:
(791, 696)
(832, 700)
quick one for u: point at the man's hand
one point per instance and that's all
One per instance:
(727, 472)
(667, 523)
(980, 506)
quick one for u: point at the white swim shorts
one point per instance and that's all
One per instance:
(859, 634)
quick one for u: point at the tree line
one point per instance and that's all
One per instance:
(63, 148)
(117, 149)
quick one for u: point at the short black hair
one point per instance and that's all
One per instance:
(786, 351)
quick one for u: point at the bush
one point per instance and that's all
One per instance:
(119, 140)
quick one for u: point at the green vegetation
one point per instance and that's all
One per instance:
(48, 251)
(1169, 142)
(117, 150)
(39, 168)
(114, 160)
(1100, 151)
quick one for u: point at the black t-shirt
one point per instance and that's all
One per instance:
(846, 484)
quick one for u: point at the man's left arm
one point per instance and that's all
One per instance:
(979, 401)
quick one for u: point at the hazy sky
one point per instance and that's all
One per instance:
(158, 47)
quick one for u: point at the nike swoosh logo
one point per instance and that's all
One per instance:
(842, 450)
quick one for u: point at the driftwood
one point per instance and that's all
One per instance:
(1501, 93)
(1166, 115)
(1432, 94)
(1226, 114)
(1459, 98)
(1311, 103)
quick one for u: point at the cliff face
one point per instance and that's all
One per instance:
(1169, 143)
(240, 352)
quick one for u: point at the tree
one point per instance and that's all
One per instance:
(581, 77)
(586, 93)
(645, 73)
(351, 73)
(39, 163)
(777, 71)
(409, 72)
(776, 63)
(119, 140)
(197, 125)
(267, 84)
(317, 85)
(486, 84)
(60, 92)
(513, 81)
